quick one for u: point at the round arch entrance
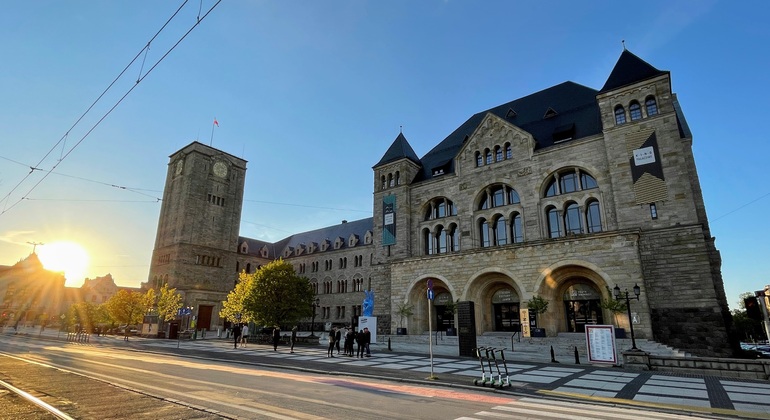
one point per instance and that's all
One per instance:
(498, 302)
(441, 313)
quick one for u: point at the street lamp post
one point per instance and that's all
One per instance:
(316, 304)
(618, 295)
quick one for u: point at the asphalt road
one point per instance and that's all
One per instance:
(95, 382)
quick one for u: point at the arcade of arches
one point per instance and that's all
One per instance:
(574, 295)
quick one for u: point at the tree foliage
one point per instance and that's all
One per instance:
(86, 315)
(127, 307)
(168, 303)
(538, 304)
(273, 295)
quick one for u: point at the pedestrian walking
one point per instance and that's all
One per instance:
(360, 344)
(367, 341)
(337, 339)
(276, 337)
(332, 335)
(236, 335)
(293, 338)
(244, 335)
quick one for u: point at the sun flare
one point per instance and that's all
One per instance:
(68, 257)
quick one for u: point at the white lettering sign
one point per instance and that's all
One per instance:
(389, 219)
(644, 156)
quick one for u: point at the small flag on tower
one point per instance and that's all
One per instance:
(216, 123)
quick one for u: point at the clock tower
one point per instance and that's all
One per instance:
(197, 238)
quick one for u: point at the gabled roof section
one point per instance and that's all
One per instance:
(629, 69)
(576, 104)
(400, 149)
(342, 230)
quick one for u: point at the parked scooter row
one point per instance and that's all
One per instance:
(488, 378)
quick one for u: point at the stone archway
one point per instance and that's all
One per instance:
(574, 293)
(417, 297)
(498, 300)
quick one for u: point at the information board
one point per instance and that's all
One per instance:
(600, 341)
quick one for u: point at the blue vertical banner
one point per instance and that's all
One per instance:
(389, 220)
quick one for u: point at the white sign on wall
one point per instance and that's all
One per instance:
(644, 156)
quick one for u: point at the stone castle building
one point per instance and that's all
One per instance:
(563, 194)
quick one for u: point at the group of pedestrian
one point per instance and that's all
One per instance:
(240, 335)
(362, 339)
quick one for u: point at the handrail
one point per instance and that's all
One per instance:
(437, 334)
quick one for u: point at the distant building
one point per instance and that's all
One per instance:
(98, 290)
(563, 194)
(30, 294)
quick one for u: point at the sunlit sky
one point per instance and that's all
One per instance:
(312, 93)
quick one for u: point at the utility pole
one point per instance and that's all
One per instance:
(34, 245)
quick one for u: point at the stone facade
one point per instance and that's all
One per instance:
(564, 194)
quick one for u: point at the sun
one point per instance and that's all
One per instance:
(68, 257)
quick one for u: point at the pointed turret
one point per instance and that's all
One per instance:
(400, 149)
(629, 69)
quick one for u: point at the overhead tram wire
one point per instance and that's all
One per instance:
(114, 106)
(66, 134)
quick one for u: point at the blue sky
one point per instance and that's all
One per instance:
(312, 93)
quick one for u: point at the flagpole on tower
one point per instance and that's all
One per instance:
(216, 123)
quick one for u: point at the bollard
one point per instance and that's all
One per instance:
(389, 349)
(577, 356)
(553, 357)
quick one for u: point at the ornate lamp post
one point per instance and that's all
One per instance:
(618, 296)
(315, 305)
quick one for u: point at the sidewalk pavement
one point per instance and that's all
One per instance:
(412, 362)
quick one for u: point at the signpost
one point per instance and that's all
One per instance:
(430, 330)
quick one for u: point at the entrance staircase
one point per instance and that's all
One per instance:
(533, 349)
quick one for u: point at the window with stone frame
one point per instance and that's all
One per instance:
(620, 115)
(651, 106)
(635, 111)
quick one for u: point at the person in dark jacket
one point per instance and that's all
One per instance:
(332, 336)
(236, 334)
(337, 339)
(350, 338)
(293, 338)
(367, 341)
(360, 344)
(276, 337)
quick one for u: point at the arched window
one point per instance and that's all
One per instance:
(479, 159)
(587, 181)
(651, 105)
(517, 232)
(453, 239)
(489, 156)
(442, 240)
(508, 151)
(594, 217)
(551, 190)
(498, 197)
(484, 233)
(568, 182)
(384, 184)
(248, 268)
(390, 180)
(498, 154)
(398, 178)
(635, 111)
(501, 232)
(554, 231)
(428, 241)
(441, 209)
(620, 115)
(513, 197)
(572, 221)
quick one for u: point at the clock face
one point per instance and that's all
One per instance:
(179, 167)
(220, 169)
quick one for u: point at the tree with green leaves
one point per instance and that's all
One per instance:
(539, 305)
(127, 307)
(168, 302)
(273, 295)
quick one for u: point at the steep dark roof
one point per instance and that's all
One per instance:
(629, 69)
(400, 149)
(342, 230)
(574, 105)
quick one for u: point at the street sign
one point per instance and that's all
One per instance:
(430, 294)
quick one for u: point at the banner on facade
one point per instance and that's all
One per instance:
(600, 341)
(389, 220)
(524, 319)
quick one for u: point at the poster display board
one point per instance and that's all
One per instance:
(371, 323)
(524, 319)
(600, 341)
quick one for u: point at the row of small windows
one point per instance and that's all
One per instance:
(439, 208)
(441, 240)
(343, 286)
(208, 260)
(497, 154)
(635, 110)
(358, 261)
(569, 181)
(573, 220)
(164, 259)
(499, 232)
(219, 201)
(326, 311)
(247, 269)
(498, 196)
(390, 180)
